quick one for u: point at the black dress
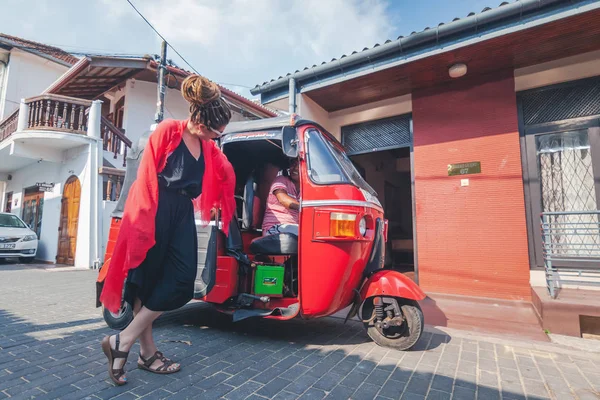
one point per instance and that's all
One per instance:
(165, 279)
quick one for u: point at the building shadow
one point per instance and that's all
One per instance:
(272, 359)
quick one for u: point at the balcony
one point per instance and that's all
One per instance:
(45, 127)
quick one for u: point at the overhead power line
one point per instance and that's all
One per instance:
(162, 37)
(175, 50)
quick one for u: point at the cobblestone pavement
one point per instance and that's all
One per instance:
(50, 335)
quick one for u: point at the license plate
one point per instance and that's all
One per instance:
(7, 246)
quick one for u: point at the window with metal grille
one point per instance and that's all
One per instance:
(567, 185)
(381, 134)
(557, 103)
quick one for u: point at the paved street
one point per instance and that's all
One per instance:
(50, 335)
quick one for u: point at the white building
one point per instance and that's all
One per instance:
(65, 128)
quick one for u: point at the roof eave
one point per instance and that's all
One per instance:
(430, 37)
(44, 56)
(70, 74)
(256, 109)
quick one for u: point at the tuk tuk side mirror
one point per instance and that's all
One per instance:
(289, 141)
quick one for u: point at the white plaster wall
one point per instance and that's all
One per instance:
(28, 75)
(558, 71)
(281, 104)
(369, 112)
(308, 109)
(2, 194)
(3, 77)
(334, 121)
(140, 107)
(75, 163)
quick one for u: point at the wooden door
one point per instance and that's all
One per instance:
(69, 220)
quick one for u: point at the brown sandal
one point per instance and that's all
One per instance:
(112, 355)
(163, 369)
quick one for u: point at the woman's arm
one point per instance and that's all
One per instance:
(286, 200)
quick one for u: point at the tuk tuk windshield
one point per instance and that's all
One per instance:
(329, 164)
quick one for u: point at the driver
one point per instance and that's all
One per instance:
(281, 213)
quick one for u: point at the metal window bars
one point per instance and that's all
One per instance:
(571, 248)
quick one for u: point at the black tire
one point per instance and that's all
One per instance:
(120, 321)
(26, 260)
(402, 338)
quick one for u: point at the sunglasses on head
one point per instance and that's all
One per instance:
(213, 130)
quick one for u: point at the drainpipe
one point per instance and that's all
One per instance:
(292, 96)
(3, 68)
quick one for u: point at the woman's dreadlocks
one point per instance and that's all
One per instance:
(207, 107)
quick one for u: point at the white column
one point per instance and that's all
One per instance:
(94, 119)
(23, 116)
(2, 195)
(93, 189)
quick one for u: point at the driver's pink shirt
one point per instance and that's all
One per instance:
(275, 212)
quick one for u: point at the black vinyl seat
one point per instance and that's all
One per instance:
(280, 244)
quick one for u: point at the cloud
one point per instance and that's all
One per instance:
(249, 41)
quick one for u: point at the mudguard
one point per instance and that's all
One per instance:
(391, 283)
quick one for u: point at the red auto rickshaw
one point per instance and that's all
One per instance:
(337, 259)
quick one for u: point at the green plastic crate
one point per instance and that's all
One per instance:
(268, 279)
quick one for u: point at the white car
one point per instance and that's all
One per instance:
(16, 239)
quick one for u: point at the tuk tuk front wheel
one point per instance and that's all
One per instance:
(393, 322)
(120, 320)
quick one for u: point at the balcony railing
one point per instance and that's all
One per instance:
(571, 248)
(112, 183)
(9, 125)
(114, 139)
(53, 112)
(50, 112)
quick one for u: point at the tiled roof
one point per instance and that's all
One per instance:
(39, 47)
(229, 93)
(520, 6)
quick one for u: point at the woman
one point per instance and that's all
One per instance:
(155, 256)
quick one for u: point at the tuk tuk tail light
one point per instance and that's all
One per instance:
(362, 226)
(342, 225)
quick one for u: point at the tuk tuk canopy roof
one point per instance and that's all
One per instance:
(270, 128)
(266, 124)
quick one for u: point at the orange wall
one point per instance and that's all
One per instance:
(471, 240)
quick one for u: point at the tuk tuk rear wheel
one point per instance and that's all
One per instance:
(121, 320)
(401, 337)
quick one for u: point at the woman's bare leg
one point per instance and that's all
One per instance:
(147, 346)
(143, 320)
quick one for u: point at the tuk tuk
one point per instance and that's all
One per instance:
(337, 259)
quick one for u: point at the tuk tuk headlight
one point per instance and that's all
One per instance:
(362, 226)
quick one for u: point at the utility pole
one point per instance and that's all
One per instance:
(160, 105)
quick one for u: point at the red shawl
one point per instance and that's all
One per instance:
(136, 233)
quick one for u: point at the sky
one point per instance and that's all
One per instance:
(238, 43)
